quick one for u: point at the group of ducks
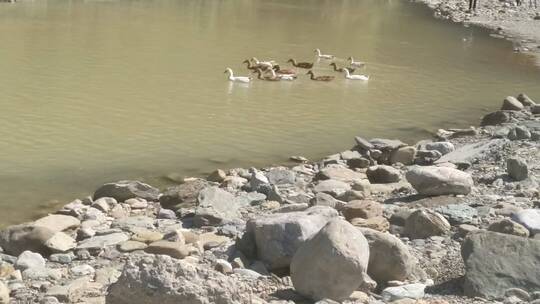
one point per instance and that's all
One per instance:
(271, 71)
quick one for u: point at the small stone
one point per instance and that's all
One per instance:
(60, 242)
(82, 270)
(411, 291)
(104, 204)
(517, 169)
(166, 214)
(510, 103)
(508, 226)
(146, 236)
(217, 176)
(223, 266)
(129, 246)
(172, 249)
(362, 208)
(382, 174)
(137, 203)
(424, 223)
(29, 259)
(62, 258)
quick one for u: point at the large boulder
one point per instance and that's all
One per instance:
(424, 223)
(182, 195)
(389, 258)
(16, 239)
(275, 238)
(439, 180)
(332, 264)
(495, 262)
(165, 280)
(217, 206)
(124, 190)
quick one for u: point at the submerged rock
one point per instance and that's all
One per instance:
(124, 190)
(332, 264)
(439, 180)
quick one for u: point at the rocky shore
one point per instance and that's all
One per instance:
(505, 18)
(452, 219)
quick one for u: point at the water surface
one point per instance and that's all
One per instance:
(95, 91)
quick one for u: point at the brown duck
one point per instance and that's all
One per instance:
(351, 70)
(303, 65)
(319, 78)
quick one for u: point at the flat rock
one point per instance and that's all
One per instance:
(124, 190)
(362, 208)
(386, 144)
(495, 262)
(134, 222)
(458, 213)
(332, 187)
(129, 246)
(378, 223)
(183, 195)
(173, 249)
(60, 242)
(470, 153)
(432, 180)
(507, 226)
(101, 241)
(58, 222)
(410, 291)
(281, 176)
(217, 206)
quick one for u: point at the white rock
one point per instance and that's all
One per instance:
(411, 291)
(29, 259)
(82, 270)
(58, 222)
(60, 242)
(530, 218)
(432, 180)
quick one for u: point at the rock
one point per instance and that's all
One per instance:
(530, 218)
(495, 118)
(82, 270)
(166, 214)
(404, 155)
(508, 226)
(137, 203)
(173, 249)
(217, 176)
(458, 213)
(339, 173)
(410, 291)
(521, 294)
(439, 180)
(386, 144)
(60, 242)
(104, 204)
(129, 246)
(470, 153)
(360, 162)
(146, 236)
(217, 206)
(281, 176)
(162, 279)
(58, 222)
(362, 208)
(519, 133)
(332, 187)
(124, 190)
(29, 259)
(525, 100)
(424, 223)
(382, 174)
(101, 241)
(389, 258)
(4, 294)
(339, 266)
(184, 195)
(378, 223)
(510, 103)
(259, 182)
(363, 143)
(323, 199)
(495, 262)
(517, 169)
(444, 147)
(134, 222)
(62, 258)
(16, 239)
(223, 266)
(292, 208)
(535, 109)
(275, 238)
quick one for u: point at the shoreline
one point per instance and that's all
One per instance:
(519, 24)
(226, 227)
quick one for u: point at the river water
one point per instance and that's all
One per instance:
(95, 91)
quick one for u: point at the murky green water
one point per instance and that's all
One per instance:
(94, 91)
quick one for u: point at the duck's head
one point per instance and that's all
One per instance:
(333, 64)
(350, 58)
(290, 60)
(245, 61)
(310, 72)
(318, 51)
(276, 67)
(254, 59)
(227, 70)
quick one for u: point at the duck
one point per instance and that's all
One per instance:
(323, 56)
(351, 70)
(244, 79)
(268, 64)
(319, 78)
(279, 70)
(289, 77)
(265, 77)
(359, 64)
(303, 65)
(252, 67)
(355, 77)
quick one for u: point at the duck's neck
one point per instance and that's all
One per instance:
(335, 68)
(259, 74)
(273, 73)
(294, 63)
(231, 75)
(318, 52)
(311, 76)
(249, 66)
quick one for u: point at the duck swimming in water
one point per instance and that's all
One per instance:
(233, 78)
(355, 77)
(323, 56)
(319, 78)
(303, 65)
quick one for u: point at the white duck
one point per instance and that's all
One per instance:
(323, 56)
(359, 64)
(282, 76)
(269, 64)
(355, 77)
(233, 78)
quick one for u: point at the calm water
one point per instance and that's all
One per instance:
(94, 91)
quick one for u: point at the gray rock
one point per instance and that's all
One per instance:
(495, 262)
(275, 238)
(339, 173)
(389, 258)
(62, 258)
(29, 259)
(58, 222)
(124, 190)
(323, 199)
(41, 274)
(535, 109)
(439, 180)
(458, 213)
(508, 226)
(60, 242)
(517, 169)
(16, 239)
(530, 218)
(162, 279)
(4, 294)
(281, 176)
(404, 155)
(495, 118)
(184, 195)
(217, 206)
(525, 100)
(363, 143)
(470, 153)
(166, 214)
(410, 291)
(217, 176)
(510, 103)
(101, 241)
(104, 204)
(519, 133)
(259, 182)
(425, 223)
(444, 147)
(339, 266)
(129, 246)
(82, 270)
(383, 144)
(332, 187)
(176, 250)
(382, 174)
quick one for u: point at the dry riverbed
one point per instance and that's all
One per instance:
(451, 219)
